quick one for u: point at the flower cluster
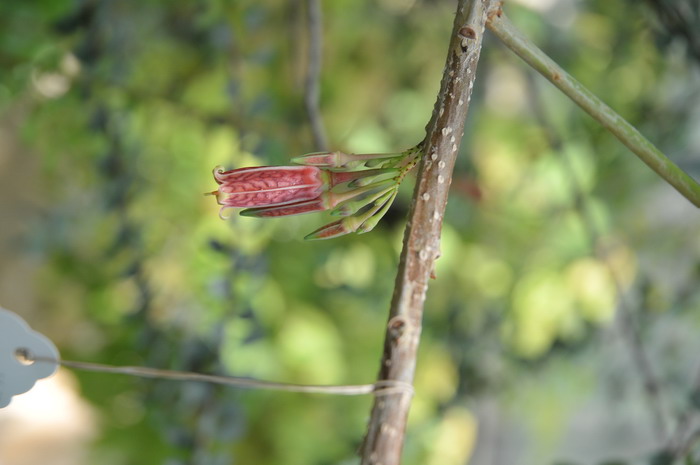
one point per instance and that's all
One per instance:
(360, 188)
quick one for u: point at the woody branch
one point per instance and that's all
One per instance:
(421, 246)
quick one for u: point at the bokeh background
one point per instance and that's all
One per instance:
(565, 261)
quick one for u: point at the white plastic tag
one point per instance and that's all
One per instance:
(17, 338)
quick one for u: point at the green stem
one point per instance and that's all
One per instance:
(377, 212)
(350, 207)
(336, 198)
(606, 116)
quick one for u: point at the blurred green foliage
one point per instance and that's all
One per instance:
(127, 106)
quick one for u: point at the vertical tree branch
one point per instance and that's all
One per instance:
(313, 72)
(421, 246)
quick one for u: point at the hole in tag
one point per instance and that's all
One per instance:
(24, 356)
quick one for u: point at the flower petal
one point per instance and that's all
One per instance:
(289, 209)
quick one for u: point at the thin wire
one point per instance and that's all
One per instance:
(380, 388)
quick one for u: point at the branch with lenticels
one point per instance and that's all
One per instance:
(421, 245)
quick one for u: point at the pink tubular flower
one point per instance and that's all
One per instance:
(357, 187)
(267, 186)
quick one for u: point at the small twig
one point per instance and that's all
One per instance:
(635, 344)
(313, 71)
(626, 321)
(625, 317)
(616, 124)
(676, 442)
(686, 447)
(421, 246)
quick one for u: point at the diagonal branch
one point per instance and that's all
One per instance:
(606, 116)
(421, 245)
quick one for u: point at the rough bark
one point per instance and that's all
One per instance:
(421, 247)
